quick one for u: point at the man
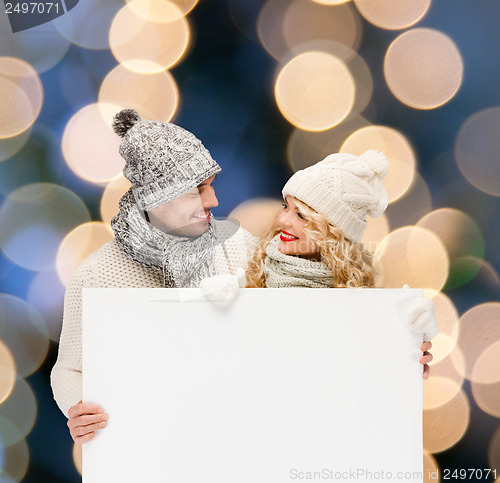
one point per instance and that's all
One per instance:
(165, 236)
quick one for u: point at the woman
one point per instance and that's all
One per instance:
(317, 239)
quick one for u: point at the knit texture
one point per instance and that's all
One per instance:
(283, 270)
(163, 161)
(344, 188)
(110, 267)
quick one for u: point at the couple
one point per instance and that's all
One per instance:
(166, 236)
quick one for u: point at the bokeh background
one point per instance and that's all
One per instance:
(270, 87)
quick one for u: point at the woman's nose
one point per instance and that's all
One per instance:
(283, 218)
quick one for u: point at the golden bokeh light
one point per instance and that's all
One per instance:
(461, 237)
(487, 397)
(11, 146)
(438, 391)
(78, 245)
(446, 369)
(148, 36)
(431, 468)
(258, 215)
(479, 329)
(22, 96)
(89, 145)
(154, 96)
(413, 256)
(412, 206)
(44, 212)
(494, 451)
(393, 14)
(148, 9)
(315, 91)
(77, 457)
(396, 148)
(7, 372)
(476, 150)
(284, 26)
(423, 68)
(115, 189)
(15, 461)
(445, 425)
(376, 230)
(331, 2)
(486, 370)
(17, 414)
(306, 148)
(23, 331)
(305, 22)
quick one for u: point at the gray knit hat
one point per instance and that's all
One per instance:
(344, 188)
(163, 161)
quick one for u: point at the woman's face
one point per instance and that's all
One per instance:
(293, 241)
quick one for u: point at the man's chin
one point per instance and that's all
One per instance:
(193, 230)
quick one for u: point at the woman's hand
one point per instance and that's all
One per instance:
(425, 359)
(84, 420)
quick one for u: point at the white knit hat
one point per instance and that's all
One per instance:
(344, 188)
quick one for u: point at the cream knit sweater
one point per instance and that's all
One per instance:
(109, 267)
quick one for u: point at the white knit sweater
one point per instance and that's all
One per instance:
(110, 267)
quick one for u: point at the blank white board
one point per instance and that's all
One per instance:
(281, 385)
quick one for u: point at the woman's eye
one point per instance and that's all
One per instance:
(301, 216)
(284, 206)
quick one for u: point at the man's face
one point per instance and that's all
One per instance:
(187, 215)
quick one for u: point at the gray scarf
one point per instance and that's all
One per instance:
(185, 261)
(291, 271)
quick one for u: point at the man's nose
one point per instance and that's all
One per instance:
(208, 199)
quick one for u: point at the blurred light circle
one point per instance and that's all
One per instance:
(486, 370)
(487, 397)
(34, 219)
(258, 216)
(115, 189)
(149, 35)
(376, 230)
(412, 206)
(479, 329)
(87, 24)
(23, 331)
(423, 68)
(393, 15)
(331, 2)
(154, 96)
(315, 91)
(413, 256)
(16, 460)
(431, 468)
(148, 9)
(22, 96)
(7, 372)
(90, 146)
(11, 146)
(17, 414)
(306, 148)
(494, 450)
(305, 21)
(438, 391)
(397, 150)
(41, 46)
(78, 245)
(446, 368)
(77, 457)
(445, 425)
(447, 317)
(476, 150)
(46, 295)
(461, 237)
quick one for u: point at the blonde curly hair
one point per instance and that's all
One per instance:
(351, 263)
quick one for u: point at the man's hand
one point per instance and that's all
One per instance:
(84, 420)
(425, 359)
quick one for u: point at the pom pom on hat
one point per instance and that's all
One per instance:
(124, 120)
(377, 162)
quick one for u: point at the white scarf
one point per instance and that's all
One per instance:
(292, 271)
